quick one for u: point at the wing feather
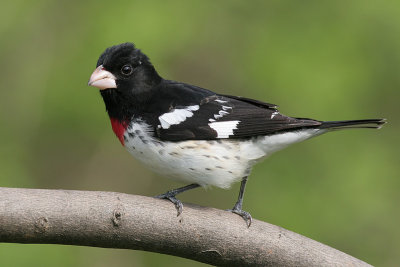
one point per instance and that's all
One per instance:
(229, 117)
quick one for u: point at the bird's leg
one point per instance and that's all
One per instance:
(170, 195)
(238, 206)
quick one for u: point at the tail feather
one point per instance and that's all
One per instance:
(371, 123)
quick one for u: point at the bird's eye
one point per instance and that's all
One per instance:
(127, 70)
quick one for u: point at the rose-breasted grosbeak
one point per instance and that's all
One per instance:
(192, 134)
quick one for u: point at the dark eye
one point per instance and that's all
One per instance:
(127, 70)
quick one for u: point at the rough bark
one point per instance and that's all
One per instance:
(116, 220)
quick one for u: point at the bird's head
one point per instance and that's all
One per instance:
(125, 69)
(126, 79)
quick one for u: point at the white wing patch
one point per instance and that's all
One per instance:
(274, 114)
(177, 116)
(222, 112)
(224, 129)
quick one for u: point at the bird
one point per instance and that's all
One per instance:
(191, 134)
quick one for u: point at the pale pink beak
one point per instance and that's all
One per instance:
(102, 79)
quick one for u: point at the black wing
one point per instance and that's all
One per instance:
(257, 103)
(225, 117)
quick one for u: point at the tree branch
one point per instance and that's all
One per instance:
(115, 220)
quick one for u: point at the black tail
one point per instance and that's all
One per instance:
(372, 123)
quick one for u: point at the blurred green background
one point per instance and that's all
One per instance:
(328, 60)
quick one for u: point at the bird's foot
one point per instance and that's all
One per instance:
(171, 197)
(244, 214)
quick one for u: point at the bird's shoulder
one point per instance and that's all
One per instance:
(194, 113)
(178, 94)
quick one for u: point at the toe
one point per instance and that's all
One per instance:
(245, 215)
(174, 200)
(178, 205)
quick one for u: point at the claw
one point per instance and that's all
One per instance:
(178, 204)
(244, 214)
(238, 206)
(170, 195)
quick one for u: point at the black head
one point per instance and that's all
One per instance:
(130, 68)
(125, 77)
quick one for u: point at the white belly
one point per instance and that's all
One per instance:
(218, 163)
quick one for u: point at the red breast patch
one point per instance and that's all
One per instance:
(119, 129)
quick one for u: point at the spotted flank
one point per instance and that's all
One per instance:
(217, 163)
(193, 161)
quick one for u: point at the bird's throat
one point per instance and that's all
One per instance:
(119, 128)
